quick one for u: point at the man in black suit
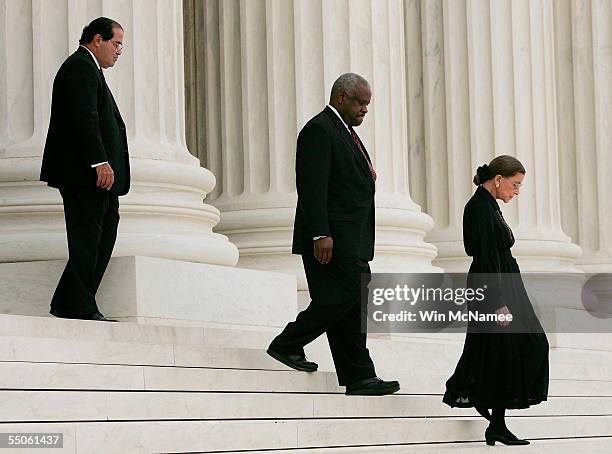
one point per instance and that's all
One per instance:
(334, 234)
(86, 158)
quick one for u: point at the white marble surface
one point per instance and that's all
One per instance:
(210, 335)
(584, 68)
(198, 379)
(107, 352)
(56, 376)
(28, 375)
(68, 351)
(151, 288)
(21, 405)
(26, 406)
(489, 89)
(235, 435)
(223, 404)
(562, 446)
(129, 343)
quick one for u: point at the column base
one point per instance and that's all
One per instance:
(161, 291)
(264, 238)
(162, 216)
(598, 262)
(533, 255)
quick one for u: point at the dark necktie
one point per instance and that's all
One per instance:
(360, 146)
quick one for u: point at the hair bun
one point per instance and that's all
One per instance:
(483, 173)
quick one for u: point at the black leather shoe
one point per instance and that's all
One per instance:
(372, 387)
(97, 316)
(297, 362)
(505, 437)
(58, 314)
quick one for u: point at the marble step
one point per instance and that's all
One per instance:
(59, 340)
(596, 445)
(386, 347)
(60, 376)
(213, 335)
(32, 406)
(414, 361)
(235, 435)
(11, 326)
(35, 349)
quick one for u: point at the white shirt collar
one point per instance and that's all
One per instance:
(93, 56)
(336, 112)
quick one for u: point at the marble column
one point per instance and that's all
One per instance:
(270, 67)
(488, 89)
(164, 214)
(584, 71)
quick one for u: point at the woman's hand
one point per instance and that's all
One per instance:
(503, 311)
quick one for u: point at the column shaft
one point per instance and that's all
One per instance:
(277, 62)
(163, 216)
(488, 70)
(584, 102)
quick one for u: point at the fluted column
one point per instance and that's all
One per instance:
(271, 65)
(489, 89)
(163, 216)
(584, 71)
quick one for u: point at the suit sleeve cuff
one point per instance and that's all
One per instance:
(93, 166)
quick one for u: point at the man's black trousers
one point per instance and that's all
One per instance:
(336, 308)
(92, 217)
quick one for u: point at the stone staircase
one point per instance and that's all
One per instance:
(124, 388)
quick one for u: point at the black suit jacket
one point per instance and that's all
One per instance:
(85, 128)
(335, 190)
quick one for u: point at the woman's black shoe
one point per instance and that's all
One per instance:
(505, 437)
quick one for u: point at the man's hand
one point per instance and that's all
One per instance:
(106, 176)
(323, 249)
(503, 310)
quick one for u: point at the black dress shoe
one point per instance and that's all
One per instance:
(297, 362)
(504, 436)
(97, 316)
(372, 387)
(58, 314)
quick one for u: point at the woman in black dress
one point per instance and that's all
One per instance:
(500, 368)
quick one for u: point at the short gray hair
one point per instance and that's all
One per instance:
(348, 83)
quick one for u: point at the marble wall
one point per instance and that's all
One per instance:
(478, 78)
(268, 68)
(583, 47)
(455, 82)
(487, 89)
